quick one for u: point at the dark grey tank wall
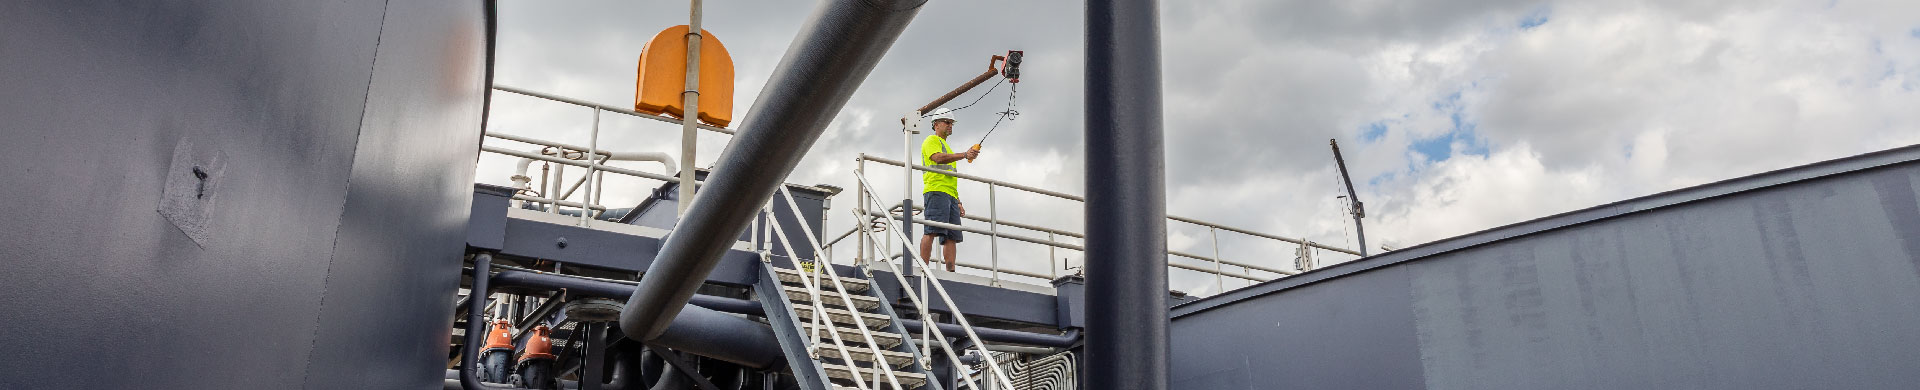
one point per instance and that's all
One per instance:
(321, 249)
(1797, 279)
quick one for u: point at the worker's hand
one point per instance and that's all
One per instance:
(963, 209)
(972, 154)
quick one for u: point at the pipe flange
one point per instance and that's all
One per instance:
(594, 310)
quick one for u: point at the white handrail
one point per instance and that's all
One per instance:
(928, 277)
(833, 274)
(810, 279)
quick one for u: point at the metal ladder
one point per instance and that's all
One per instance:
(838, 332)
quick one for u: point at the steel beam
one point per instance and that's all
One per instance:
(1127, 339)
(832, 54)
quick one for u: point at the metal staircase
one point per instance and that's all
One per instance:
(841, 333)
(836, 331)
(853, 346)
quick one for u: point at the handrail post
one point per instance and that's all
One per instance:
(993, 240)
(1220, 277)
(860, 202)
(593, 150)
(1053, 269)
(559, 178)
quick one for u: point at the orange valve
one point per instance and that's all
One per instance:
(539, 346)
(500, 337)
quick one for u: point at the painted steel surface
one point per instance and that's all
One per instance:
(1799, 278)
(316, 245)
(1126, 209)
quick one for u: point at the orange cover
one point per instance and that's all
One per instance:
(663, 74)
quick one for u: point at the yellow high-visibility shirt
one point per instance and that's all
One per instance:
(936, 181)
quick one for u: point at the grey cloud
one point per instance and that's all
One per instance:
(1607, 100)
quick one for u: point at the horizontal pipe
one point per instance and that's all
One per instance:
(567, 203)
(562, 161)
(611, 289)
(658, 157)
(619, 110)
(608, 289)
(701, 328)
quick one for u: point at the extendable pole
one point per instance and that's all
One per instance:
(690, 99)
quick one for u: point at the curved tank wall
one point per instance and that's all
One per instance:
(1796, 279)
(235, 194)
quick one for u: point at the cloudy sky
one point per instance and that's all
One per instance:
(1454, 116)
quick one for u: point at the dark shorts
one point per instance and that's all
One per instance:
(941, 208)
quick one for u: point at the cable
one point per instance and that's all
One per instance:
(1004, 115)
(983, 95)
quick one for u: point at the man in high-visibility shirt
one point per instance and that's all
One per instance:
(942, 196)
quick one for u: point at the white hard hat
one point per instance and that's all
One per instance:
(941, 113)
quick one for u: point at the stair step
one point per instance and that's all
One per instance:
(894, 358)
(792, 276)
(873, 321)
(852, 336)
(829, 297)
(907, 379)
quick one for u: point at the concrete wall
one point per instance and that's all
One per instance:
(1803, 278)
(320, 250)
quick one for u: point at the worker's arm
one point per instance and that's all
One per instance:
(944, 158)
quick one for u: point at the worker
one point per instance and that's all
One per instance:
(942, 195)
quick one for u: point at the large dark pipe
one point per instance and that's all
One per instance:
(605, 289)
(697, 330)
(828, 59)
(1126, 209)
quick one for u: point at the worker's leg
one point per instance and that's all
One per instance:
(948, 250)
(926, 248)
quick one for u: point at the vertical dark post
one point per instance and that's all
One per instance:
(1126, 198)
(591, 377)
(1353, 198)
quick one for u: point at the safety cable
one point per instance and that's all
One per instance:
(1009, 114)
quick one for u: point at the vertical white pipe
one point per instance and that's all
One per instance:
(593, 166)
(1219, 277)
(1053, 270)
(993, 225)
(559, 173)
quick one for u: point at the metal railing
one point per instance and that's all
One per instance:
(821, 322)
(929, 283)
(591, 157)
(1052, 241)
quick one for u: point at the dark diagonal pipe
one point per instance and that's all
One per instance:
(1127, 339)
(828, 59)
